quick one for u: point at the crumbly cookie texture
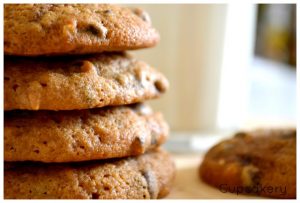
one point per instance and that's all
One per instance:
(69, 136)
(261, 162)
(83, 82)
(147, 176)
(60, 29)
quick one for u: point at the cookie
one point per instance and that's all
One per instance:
(143, 177)
(261, 162)
(68, 136)
(61, 29)
(83, 82)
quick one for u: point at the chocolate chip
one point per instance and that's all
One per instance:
(142, 14)
(122, 79)
(250, 175)
(151, 179)
(36, 151)
(97, 30)
(15, 87)
(92, 29)
(240, 134)
(43, 84)
(107, 12)
(160, 86)
(143, 77)
(106, 176)
(138, 145)
(256, 176)
(245, 159)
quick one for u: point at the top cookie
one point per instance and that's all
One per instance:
(58, 29)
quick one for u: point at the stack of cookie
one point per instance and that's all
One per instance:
(74, 124)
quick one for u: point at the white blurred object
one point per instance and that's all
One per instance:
(237, 56)
(272, 95)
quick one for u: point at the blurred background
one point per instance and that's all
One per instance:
(230, 67)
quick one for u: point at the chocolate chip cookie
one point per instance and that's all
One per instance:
(79, 82)
(69, 136)
(261, 162)
(143, 177)
(61, 29)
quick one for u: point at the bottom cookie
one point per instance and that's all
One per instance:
(143, 177)
(260, 162)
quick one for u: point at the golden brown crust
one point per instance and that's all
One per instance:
(60, 29)
(261, 162)
(69, 136)
(143, 177)
(68, 83)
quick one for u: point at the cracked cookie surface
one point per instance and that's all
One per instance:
(69, 136)
(61, 29)
(147, 176)
(79, 82)
(261, 162)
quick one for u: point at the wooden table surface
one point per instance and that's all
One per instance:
(188, 185)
